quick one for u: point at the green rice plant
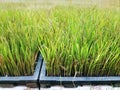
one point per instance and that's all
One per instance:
(18, 43)
(73, 41)
(81, 42)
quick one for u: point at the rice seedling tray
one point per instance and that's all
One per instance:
(48, 81)
(29, 81)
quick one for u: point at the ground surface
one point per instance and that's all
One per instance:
(62, 88)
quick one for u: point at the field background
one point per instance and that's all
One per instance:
(34, 4)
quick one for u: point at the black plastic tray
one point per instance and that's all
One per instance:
(47, 81)
(30, 81)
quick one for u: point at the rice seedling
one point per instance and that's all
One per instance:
(73, 41)
(18, 43)
(82, 42)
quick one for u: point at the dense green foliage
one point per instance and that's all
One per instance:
(18, 43)
(73, 41)
(82, 42)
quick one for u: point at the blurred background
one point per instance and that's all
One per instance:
(51, 3)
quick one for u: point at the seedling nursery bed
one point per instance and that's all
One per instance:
(70, 39)
(30, 81)
(48, 81)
